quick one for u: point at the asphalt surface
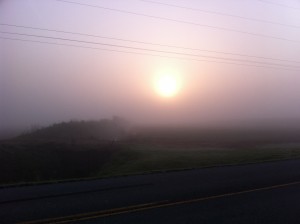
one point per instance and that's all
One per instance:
(255, 193)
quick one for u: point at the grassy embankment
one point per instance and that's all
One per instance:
(40, 159)
(149, 158)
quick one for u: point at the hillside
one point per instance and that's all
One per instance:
(89, 149)
(74, 149)
(105, 129)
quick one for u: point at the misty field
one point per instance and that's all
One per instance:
(39, 162)
(36, 158)
(150, 158)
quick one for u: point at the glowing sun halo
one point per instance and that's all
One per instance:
(167, 85)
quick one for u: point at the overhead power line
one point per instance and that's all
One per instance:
(150, 50)
(142, 53)
(150, 54)
(181, 21)
(138, 53)
(222, 14)
(279, 4)
(149, 43)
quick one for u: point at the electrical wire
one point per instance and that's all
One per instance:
(143, 42)
(279, 4)
(146, 49)
(181, 21)
(222, 14)
(142, 53)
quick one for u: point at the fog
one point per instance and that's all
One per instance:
(42, 83)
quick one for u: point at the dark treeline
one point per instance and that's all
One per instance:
(223, 137)
(67, 150)
(82, 149)
(41, 161)
(105, 129)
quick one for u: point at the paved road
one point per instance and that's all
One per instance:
(257, 193)
(280, 206)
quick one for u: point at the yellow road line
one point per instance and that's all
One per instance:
(52, 220)
(148, 206)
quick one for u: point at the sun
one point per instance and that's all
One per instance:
(167, 85)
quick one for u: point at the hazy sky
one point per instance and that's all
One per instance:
(42, 83)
